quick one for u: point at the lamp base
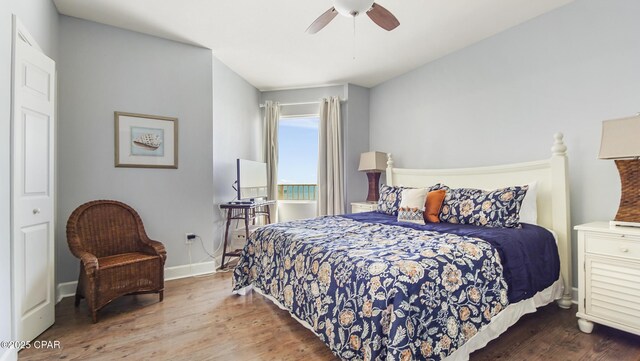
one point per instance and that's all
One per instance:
(374, 191)
(629, 209)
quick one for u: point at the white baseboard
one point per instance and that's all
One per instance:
(68, 289)
(574, 295)
(10, 354)
(184, 271)
(65, 289)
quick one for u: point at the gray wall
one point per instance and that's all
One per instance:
(500, 100)
(356, 135)
(355, 123)
(237, 133)
(103, 69)
(41, 19)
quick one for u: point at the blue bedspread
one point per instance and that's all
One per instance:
(376, 291)
(529, 254)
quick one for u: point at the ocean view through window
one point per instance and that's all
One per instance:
(298, 158)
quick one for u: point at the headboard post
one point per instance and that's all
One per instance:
(389, 169)
(561, 216)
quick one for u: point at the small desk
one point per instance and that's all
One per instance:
(246, 212)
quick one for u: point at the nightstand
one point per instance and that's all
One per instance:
(608, 277)
(359, 207)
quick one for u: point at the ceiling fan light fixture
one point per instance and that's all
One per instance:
(353, 7)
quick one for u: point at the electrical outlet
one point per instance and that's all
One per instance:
(189, 237)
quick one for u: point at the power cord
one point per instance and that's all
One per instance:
(213, 255)
(204, 248)
(190, 261)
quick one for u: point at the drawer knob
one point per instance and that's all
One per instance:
(624, 250)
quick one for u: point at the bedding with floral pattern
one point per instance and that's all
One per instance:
(377, 292)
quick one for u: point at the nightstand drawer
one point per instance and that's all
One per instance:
(616, 245)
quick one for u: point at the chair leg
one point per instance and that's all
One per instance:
(78, 289)
(161, 295)
(90, 295)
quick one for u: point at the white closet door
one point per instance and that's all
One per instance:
(32, 187)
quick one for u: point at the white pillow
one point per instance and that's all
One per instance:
(412, 205)
(529, 207)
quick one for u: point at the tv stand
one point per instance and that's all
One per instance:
(243, 211)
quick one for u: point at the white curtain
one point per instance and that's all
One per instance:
(271, 118)
(330, 169)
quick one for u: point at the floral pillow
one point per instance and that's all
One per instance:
(498, 208)
(389, 200)
(390, 197)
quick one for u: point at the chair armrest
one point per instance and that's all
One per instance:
(89, 261)
(149, 245)
(155, 247)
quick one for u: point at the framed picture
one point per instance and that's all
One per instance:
(146, 141)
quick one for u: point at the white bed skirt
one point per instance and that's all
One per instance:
(498, 325)
(507, 318)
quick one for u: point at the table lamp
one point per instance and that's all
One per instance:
(373, 163)
(621, 142)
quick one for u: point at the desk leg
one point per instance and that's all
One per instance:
(253, 216)
(246, 224)
(268, 214)
(226, 237)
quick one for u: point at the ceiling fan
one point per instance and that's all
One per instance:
(352, 8)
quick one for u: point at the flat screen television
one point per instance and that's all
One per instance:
(252, 180)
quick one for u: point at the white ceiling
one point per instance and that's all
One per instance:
(264, 41)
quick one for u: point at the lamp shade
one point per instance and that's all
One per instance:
(620, 138)
(373, 162)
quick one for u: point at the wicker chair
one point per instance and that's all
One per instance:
(117, 257)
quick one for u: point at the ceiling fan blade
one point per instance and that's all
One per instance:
(322, 21)
(383, 17)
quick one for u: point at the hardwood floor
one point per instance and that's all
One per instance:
(201, 320)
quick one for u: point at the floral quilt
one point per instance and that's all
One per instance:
(377, 292)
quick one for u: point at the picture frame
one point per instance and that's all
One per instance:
(145, 141)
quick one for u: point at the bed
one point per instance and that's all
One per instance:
(372, 288)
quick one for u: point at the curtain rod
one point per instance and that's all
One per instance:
(302, 103)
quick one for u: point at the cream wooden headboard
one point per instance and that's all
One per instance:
(552, 192)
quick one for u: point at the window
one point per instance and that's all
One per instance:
(298, 158)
